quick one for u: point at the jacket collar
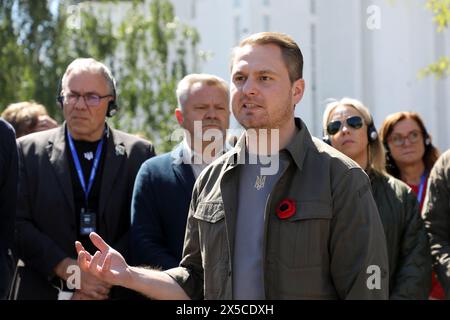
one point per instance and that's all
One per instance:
(56, 150)
(297, 148)
(114, 158)
(183, 171)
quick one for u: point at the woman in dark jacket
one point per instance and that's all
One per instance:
(410, 155)
(349, 127)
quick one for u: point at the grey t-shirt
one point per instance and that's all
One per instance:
(254, 190)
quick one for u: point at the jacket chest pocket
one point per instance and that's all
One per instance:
(212, 233)
(301, 240)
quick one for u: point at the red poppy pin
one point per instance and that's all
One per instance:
(286, 209)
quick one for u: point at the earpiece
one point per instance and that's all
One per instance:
(59, 98)
(372, 133)
(60, 101)
(326, 139)
(112, 105)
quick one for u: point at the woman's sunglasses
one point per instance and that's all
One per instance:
(354, 122)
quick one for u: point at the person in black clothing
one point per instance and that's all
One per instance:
(73, 180)
(8, 194)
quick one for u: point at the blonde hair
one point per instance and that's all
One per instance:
(185, 85)
(24, 116)
(376, 158)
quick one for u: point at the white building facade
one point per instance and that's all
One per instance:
(369, 50)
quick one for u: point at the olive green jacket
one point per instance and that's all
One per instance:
(436, 213)
(333, 247)
(406, 238)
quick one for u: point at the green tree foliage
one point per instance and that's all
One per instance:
(147, 52)
(26, 32)
(148, 76)
(441, 11)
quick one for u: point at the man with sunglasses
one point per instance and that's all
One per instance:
(75, 179)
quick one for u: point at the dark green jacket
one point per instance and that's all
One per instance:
(326, 250)
(406, 238)
(436, 213)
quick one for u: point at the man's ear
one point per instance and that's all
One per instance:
(298, 88)
(179, 116)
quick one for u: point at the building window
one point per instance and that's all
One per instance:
(312, 6)
(313, 81)
(266, 22)
(193, 9)
(237, 29)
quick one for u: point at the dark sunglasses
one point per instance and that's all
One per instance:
(354, 122)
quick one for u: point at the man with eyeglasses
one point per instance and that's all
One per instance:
(75, 179)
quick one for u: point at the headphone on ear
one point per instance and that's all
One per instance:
(59, 97)
(112, 105)
(426, 138)
(326, 139)
(372, 134)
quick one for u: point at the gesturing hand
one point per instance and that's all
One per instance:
(107, 264)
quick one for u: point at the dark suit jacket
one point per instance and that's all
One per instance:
(160, 205)
(46, 218)
(8, 193)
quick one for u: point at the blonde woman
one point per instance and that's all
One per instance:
(349, 127)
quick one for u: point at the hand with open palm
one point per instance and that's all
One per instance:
(106, 264)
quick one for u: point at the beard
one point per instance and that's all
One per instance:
(264, 118)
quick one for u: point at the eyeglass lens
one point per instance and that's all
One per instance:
(354, 122)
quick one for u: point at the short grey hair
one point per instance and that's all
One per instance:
(90, 65)
(185, 85)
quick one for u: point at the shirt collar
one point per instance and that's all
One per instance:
(297, 148)
(190, 156)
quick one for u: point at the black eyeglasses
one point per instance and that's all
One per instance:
(354, 122)
(91, 100)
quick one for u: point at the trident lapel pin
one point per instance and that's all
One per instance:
(120, 150)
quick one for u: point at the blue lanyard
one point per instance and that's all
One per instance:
(422, 185)
(78, 166)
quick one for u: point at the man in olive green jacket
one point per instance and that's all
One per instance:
(323, 251)
(309, 229)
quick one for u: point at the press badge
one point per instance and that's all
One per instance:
(88, 221)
